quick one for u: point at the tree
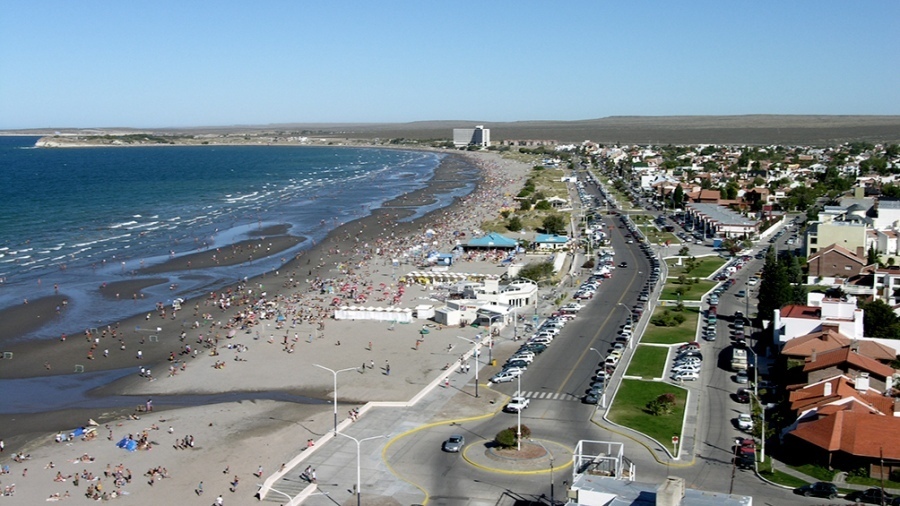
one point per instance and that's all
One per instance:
(537, 271)
(879, 320)
(678, 197)
(514, 224)
(684, 251)
(554, 224)
(662, 405)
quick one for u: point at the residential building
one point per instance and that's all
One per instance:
(833, 263)
(820, 313)
(478, 136)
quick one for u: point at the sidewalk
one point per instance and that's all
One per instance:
(380, 425)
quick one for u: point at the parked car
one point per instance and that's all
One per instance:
(516, 404)
(741, 293)
(506, 376)
(454, 443)
(693, 345)
(534, 347)
(741, 377)
(745, 422)
(870, 496)
(518, 364)
(591, 398)
(686, 376)
(742, 396)
(819, 489)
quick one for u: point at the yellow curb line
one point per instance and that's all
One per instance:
(428, 426)
(650, 450)
(504, 471)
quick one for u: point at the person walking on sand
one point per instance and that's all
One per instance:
(387, 368)
(219, 500)
(200, 489)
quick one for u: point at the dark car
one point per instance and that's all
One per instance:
(745, 461)
(521, 364)
(533, 347)
(689, 353)
(870, 496)
(819, 489)
(623, 265)
(742, 396)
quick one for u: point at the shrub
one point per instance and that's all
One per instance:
(543, 206)
(506, 438)
(505, 213)
(589, 264)
(668, 319)
(514, 224)
(662, 405)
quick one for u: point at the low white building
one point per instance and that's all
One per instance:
(797, 320)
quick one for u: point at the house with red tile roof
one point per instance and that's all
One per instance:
(846, 361)
(831, 262)
(850, 436)
(828, 339)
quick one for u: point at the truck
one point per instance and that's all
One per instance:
(739, 359)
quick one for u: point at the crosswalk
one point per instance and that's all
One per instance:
(552, 396)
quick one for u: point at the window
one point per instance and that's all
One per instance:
(814, 240)
(848, 267)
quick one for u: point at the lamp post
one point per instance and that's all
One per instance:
(552, 495)
(762, 408)
(475, 357)
(335, 373)
(630, 322)
(358, 465)
(519, 415)
(603, 366)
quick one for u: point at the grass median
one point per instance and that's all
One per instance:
(648, 362)
(701, 267)
(684, 332)
(629, 409)
(690, 291)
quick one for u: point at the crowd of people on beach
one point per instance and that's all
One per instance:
(344, 276)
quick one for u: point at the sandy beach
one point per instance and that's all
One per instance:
(260, 335)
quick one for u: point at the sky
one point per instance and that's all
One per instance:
(179, 64)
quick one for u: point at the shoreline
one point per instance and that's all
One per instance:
(260, 358)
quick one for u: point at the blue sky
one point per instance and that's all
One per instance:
(174, 63)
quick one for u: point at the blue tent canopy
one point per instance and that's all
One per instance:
(492, 240)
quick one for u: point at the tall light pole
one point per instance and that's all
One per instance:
(358, 465)
(603, 366)
(475, 357)
(552, 495)
(335, 373)
(519, 415)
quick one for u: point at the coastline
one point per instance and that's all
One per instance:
(261, 358)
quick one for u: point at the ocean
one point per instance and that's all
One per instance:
(79, 217)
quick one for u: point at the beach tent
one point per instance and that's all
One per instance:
(127, 444)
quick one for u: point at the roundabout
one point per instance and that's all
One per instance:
(535, 456)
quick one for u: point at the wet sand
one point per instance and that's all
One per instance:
(260, 358)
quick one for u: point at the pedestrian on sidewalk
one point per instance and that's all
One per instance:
(312, 476)
(387, 368)
(199, 490)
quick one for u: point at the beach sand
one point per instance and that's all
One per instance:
(267, 356)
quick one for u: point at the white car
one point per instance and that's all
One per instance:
(686, 376)
(527, 357)
(516, 404)
(685, 368)
(545, 340)
(506, 376)
(745, 422)
(552, 331)
(753, 281)
(573, 306)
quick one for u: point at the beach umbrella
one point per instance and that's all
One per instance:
(232, 332)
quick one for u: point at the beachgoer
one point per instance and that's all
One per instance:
(200, 488)
(219, 501)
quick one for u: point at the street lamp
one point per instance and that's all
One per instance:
(762, 408)
(519, 415)
(358, 470)
(552, 495)
(335, 373)
(475, 357)
(606, 383)
(630, 321)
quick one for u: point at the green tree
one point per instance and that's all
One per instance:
(678, 197)
(537, 271)
(879, 320)
(554, 224)
(514, 224)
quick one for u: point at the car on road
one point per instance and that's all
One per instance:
(741, 293)
(506, 375)
(454, 443)
(623, 265)
(744, 422)
(753, 281)
(544, 340)
(741, 377)
(516, 404)
(818, 489)
(870, 496)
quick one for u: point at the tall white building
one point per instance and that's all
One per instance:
(478, 136)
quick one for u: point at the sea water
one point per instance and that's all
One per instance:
(79, 217)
